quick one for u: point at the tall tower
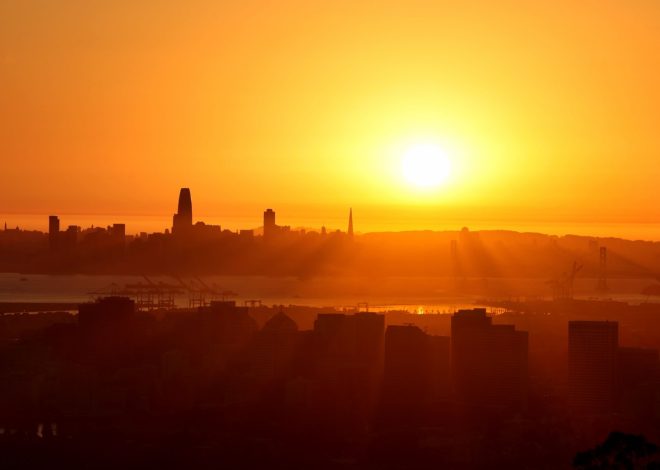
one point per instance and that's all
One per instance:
(592, 355)
(53, 230)
(185, 206)
(489, 362)
(182, 220)
(350, 222)
(269, 223)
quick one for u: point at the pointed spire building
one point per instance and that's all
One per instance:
(350, 222)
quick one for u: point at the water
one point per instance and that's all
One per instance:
(415, 295)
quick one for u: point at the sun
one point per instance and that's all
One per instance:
(425, 166)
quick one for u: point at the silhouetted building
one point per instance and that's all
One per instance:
(638, 382)
(274, 348)
(118, 231)
(336, 341)
(350, 222)
(108, 329)
(205, 231)
(440, 352)
(182, 220)
(489, 362)
(351, 339)
(269, 224)
(69, 238)
(417, 367)
(348, 353)
(592, 356)
(221, 330)
(407, 372)
(53, 231)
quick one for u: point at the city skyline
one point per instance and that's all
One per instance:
(184, 220)
(334, 218)
(333, 235)
(545, 113)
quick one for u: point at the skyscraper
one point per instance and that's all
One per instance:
(182, 220)
(274, 348)
(638, 379)
(348, 366)
(53, 230)
(269, 223)
(416, 368)
(118, 231)
(489, 362)
(592, 354)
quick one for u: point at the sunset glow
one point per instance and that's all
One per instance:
(256, 106)
(341, 234)
(425, 166)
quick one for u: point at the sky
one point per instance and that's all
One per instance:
(548, 111)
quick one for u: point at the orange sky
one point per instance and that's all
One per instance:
(549, 110)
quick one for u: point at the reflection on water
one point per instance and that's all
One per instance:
(41, 430)
(426, 309)
(46, 430)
